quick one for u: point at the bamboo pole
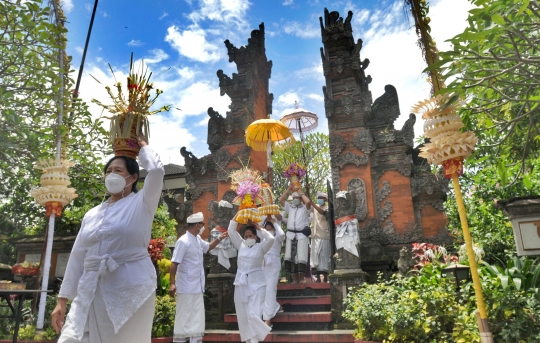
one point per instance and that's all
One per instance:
(485, 333)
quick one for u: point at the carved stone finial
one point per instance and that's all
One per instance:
(215, 125)
(408, 130)
(385, 109)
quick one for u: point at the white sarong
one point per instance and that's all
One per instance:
(271, 269)
(320, 254)
(100, 329)
(347, 236)
(189, 319)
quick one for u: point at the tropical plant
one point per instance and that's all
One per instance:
(494, 66)
(30, 83)
(317, 163)
(163, 324)
(522, 274)
(426, 308)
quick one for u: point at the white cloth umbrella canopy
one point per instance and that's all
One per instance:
(300, 120)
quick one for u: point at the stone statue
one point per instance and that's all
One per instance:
(224, 255)
(347, 235)
(385, 109)
(215, 123)
(405, 262)
(179, 211)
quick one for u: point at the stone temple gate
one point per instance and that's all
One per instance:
(397, 200)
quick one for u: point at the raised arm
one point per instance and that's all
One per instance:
(235, 237)
(153, 183)
(280, 234)
(318, 208)
(305, 199)
(267, 240)
(285, 195)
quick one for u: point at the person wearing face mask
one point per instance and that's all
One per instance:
(297, 244)
(250, 282)
(320, 239)
(109, 275)
(187, 262)
(271, 269)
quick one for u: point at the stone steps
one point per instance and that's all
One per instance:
(289, 336)
(316, 303)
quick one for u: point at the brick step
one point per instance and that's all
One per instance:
(292, 317)
(316, 303)
(305, 289)
(335, 336)
(305, 300)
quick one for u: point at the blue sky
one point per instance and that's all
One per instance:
(182, 42)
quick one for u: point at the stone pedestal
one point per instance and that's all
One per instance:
(219, 299)
(347, 261)
(340, 282)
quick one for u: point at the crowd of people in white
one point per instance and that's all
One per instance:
(111, 279)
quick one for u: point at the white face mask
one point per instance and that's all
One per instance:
(272, 232)
(201, 230)
(296, 202)
(250, 242)
(115, 183)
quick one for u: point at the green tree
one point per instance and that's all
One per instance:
(30, 87)
(317, 163)
(490, 228)
(495, 67)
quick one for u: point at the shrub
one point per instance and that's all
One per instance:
(164, 317)
(426, 308)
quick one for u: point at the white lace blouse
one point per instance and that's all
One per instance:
(250, 260)
(111, 252)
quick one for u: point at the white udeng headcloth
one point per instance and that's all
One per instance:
(225, 203)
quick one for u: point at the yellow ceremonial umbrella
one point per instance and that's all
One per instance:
(264, 132)
(267, 135)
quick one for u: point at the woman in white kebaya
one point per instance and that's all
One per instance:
(250, 282)
(271, 269)
(109, 275)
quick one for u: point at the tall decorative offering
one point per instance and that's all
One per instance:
(295, 172)
(448, 146)
(246, 183)
(268, 207)
(130, 114)
(54, 192)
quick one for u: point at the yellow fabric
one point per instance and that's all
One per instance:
(261, 131)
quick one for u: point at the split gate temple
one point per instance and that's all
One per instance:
(392, 192)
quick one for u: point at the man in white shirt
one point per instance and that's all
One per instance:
(187, 261)
(297, 244)
(320, 239)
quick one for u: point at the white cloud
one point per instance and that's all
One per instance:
(192, 44)
(158, 55)
(165, 14)
(306, 30)
(79, 50)
(314, 72)
(390, 43)
(135, 42)
(67, 5)
(105, 15)
(226, 11)
(186, 73)
(288, 2)
(315, 97)
(195, 99)
(88, 7)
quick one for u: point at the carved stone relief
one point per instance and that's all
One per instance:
(407, 130)
(347, 103)
(412, 234)
(328, 104)
(340, 63)
(358, 186)
(428, 184)
(337, 143)
(229, 196)
(350, 158)
(242, 155)
(363, 141)
(380, 194)
(222, 158)
(335, 179)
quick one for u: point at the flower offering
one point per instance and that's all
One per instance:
(294, 173)
(130, 113)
